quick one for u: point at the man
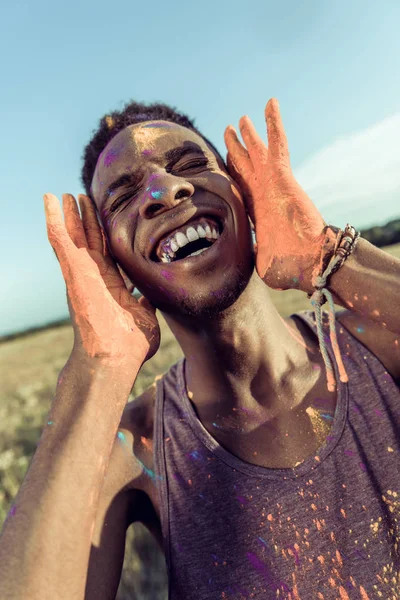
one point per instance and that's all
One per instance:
(258, 478)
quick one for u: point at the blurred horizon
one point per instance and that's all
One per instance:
(331, 66)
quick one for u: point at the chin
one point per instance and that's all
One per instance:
(211, 304)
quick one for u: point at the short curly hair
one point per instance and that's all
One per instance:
(132, 113)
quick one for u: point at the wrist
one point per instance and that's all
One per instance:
(126, 367)
(317, 265)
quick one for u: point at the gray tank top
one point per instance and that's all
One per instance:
(328, 528)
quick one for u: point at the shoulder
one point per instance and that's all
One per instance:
(132, 449)
(384, 344)
(138, 415)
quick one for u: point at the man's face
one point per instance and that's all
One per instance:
(153, 180)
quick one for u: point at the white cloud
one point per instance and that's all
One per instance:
(357, 176)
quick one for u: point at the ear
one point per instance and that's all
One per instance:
(129, 285)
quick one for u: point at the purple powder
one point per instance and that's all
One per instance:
(167, 274)
(111, 155)
(154, 125)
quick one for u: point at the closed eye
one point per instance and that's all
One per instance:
(122, 199)
(202, 162)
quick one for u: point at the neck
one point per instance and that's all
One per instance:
(247, 358)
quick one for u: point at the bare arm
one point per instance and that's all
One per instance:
(121, 504)
(46, 541)
(45, 545)
(369, 284)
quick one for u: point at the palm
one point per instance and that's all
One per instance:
(108, 321)
(289, 228)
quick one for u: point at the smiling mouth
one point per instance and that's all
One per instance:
(190, 240)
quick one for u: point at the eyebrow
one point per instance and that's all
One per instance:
(172, 156)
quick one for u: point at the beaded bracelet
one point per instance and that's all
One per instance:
(345, 244)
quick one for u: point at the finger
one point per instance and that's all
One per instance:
(73, 221)
(64, 248)
(238, 154)
(258, 150)
(277, 141)
(232, 170)
(90, 224)
(106, 249)
(235, 174)
(244, 187)
(56, 231)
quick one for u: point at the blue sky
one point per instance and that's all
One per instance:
(332, 65)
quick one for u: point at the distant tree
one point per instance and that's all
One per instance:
(384, 235)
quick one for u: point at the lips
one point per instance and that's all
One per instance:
(171, 226)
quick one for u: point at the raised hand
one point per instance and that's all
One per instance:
(108, 322)
(288, 227)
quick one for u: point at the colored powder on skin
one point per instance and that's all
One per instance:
(156, 125)
(326, 416)
(166, 274)
(49, 422)
(218, 294)
(147, 471)
(318, 425)
(12, 512)
(147, 152)
(111, 155)
(156, 194)
(360, 330)
(147, 443)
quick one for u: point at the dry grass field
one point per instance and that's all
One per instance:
(29, 367)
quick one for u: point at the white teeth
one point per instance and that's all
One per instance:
(192, 234)
(201, 232)
(198, 252)
(181, 239)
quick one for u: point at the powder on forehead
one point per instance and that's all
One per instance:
(157, 124)
(144, 137)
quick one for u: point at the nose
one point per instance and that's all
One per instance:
(164, 192)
